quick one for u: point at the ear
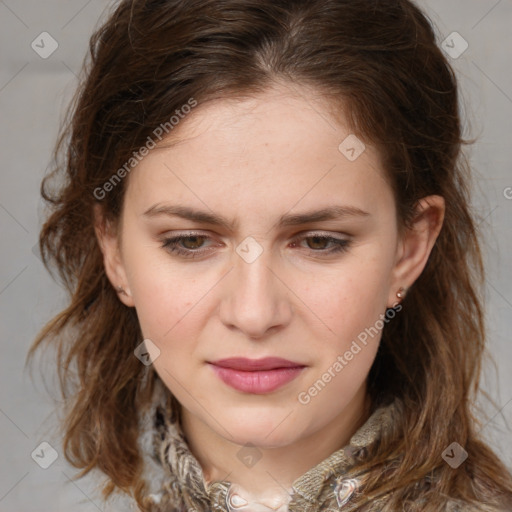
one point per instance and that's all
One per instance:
(110, 247)
(416, 244)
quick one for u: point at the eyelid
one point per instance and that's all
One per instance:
(321, 233)
(185, 234)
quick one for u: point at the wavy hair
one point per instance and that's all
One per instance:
(381, 61)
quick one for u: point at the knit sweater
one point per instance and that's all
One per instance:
(177, 484)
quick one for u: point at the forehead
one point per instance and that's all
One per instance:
(270, 151)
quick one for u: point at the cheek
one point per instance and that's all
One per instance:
(347, 299)
(163, 296)
(164, 309)
(339, 382)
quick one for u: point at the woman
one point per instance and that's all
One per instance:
(274, 274)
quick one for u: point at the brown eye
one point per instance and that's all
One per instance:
(192, 242)
(320, 244)
(317, 242)
(188, 246)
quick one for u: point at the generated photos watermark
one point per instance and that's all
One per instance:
(342, 361)
(158, 133)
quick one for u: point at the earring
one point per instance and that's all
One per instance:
(120, 289)
(401, 293)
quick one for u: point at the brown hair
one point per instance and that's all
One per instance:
(146, 61)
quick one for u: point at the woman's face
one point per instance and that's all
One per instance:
(289, 250)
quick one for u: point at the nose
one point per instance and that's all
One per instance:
(255, 301)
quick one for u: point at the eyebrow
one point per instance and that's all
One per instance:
(328, 213)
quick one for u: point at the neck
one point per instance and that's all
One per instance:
(272, 476)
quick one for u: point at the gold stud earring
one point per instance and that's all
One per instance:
(401, 293)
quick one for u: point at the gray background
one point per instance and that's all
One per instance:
(33, 93)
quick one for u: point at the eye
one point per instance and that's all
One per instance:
(324, 244)
(192, 245)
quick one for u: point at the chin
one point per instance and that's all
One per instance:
(261, 440)
(263, 429)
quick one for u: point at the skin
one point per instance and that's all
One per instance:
(252, 160)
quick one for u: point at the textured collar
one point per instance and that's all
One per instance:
(177, 482)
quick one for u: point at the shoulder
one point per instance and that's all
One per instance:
(459, 506)
(433, 493)
(437, 503)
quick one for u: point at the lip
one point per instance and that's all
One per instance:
(256, 376)
(248, 365)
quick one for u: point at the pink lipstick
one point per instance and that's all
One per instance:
(256, 376)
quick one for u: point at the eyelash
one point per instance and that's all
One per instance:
(171, 245)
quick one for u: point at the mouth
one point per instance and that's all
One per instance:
(256, 376)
